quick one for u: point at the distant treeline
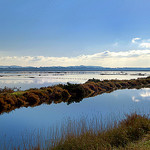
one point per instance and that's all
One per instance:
(10, 99)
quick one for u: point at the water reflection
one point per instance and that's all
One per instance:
(18, 122)
(27, 80)
(144, 95)
(134, 99)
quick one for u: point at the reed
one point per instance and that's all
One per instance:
(116, 135)
(92, 134)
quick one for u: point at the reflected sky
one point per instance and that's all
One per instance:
(116, 104)
(144, 95)
(26, 80)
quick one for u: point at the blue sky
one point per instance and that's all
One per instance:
(71, 28)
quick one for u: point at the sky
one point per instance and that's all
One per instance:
(108, 33)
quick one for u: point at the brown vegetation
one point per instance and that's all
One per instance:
(96, 135)
(117, 136)
(69, 93)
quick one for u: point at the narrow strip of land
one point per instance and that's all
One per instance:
(10, 100)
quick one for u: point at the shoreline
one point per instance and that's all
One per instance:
(69, 93)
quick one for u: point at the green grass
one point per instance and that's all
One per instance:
(18, 93)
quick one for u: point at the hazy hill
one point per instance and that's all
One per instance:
(69, 68)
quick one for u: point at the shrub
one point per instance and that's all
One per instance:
(42, 94)
(10, 99)
(136, 126)
(31, 98)
(69, 92)
(92, 86)
(75, 90)
(57, 93)
(93, 80)
(2, 103)
(65, 95)
(87, 91)
(49, 90)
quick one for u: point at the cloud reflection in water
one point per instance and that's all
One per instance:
(142, 96)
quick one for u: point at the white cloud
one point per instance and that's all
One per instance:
(144, 45)
(132, 58)
(135, 39)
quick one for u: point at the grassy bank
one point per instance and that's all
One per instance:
(117, 136)
(133, 132)
(10, 100)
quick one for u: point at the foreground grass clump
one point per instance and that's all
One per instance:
(131, 133)
(143, 144)
(10, 99)
(116, 136)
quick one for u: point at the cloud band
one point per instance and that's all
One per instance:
(132, 58)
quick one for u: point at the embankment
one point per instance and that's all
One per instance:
(10, 100)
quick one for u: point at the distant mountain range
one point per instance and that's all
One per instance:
(70, 68)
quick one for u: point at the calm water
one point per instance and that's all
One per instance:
(26, 80)
(25, 121)
(22, 121)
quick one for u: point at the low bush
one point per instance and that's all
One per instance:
(31, 98)
(75, 90)
(65, 95)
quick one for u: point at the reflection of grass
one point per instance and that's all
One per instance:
(94, 134)
(69, 93)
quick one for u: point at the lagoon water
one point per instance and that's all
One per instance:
(28, 79)
(25, 121)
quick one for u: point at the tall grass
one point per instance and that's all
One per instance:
(96, 133)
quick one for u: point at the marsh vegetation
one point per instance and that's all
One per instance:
(10, 99)
(94, 134)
